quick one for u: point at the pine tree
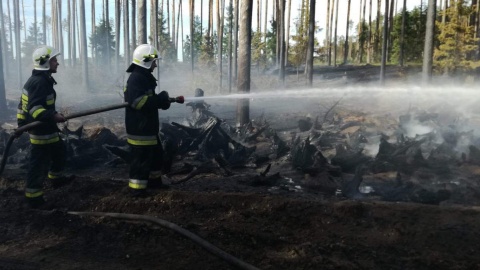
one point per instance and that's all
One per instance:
(457, 41)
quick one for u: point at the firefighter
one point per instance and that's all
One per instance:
(142, 121)
(37, 103)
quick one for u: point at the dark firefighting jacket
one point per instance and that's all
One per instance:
(141, 117)
(37, 103)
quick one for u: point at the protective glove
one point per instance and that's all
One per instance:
(163, 100)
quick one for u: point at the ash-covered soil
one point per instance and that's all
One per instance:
(295, 224)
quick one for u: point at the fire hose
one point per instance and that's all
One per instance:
(27, 127)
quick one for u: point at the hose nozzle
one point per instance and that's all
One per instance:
(179, 99)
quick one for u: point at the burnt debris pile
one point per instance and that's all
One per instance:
(419, 157)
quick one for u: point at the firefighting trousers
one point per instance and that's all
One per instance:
(46, 160)
(146, 164)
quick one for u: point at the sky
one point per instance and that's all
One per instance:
(320, 13)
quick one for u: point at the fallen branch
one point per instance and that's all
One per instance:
(329, 110)
(195, 238)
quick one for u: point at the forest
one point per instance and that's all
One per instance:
(349, 140)
(441, 36)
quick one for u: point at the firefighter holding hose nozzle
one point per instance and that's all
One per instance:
(37, 103)
(142, 121)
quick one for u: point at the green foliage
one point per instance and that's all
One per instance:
(166, 46)
(414, 36)
(297, 55)
(226, 30)
(103, 40)
(197, 41)
(30, 43)
(259, 55)
(457, 42)
(271, 46)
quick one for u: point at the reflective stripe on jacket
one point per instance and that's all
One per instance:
(141, 117)
(37, 103)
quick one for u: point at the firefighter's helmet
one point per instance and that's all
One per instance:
(41, 57)
(143, 56)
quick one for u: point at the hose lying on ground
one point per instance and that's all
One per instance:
(206, 245)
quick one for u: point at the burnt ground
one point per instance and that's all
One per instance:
(287, 226)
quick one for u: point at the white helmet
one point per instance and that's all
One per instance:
(143, 56)
(41, 57)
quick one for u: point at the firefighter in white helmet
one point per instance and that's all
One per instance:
(37, 103)
(142, 121)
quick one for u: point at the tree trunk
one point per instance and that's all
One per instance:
(362, 49)
(18, 54)
(35, 32)
(276, 10)
(3, 99)
(369, 39)
(174, 33)
(444, 15)
(281, 35)
(265, 25)
(3, 94)
(390, 29)
(73, 44)
(287, 39)
(210, 20)
(168, 17)
(156, 41)
(126, 35)
(384, 45)
(245, 43)
(10, 30)
(3, 36)
(192, 34)
(118, 18)
(69, 32)
(178, 27)
(24, 22)
(402, 34)
(60, 31)
(54, 23)
(84, 47)
(220, 19)
(44, 22)
(107, 23)
(134, 26)
(230, 41)
(376, 44)
(94, 40)
(329, 32)
(142, 22)
(429, 38)
(258, 30)
(311, 43)
(235, 44)
(345, 54)
(335, 37)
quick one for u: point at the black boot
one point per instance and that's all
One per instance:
(39, 203)
(157, 184)
(62, 181)
(137, 193)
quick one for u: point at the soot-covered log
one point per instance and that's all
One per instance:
(87, 152)
(306, 157)
(350, 189)
(209, 166)
(349, 159)
(263, 179)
